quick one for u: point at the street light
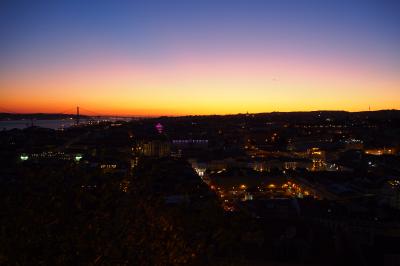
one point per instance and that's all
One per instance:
(78, 157)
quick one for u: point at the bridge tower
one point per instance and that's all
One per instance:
(77, 115)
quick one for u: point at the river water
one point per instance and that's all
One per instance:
(53, 124)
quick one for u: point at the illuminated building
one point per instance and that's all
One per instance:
(248, 196)
(124, 185)
(190, 142)
(154, 148)
(381, 151)
(78, 157)
(107, 168)
(290, 165)
(160, 128)
(316, 153)
(49, 155)
(176, 153)
(318, 158)
(134, 162)
(24, 157)
(353, 144)
(391, 193)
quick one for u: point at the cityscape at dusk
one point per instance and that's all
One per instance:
(199, 132)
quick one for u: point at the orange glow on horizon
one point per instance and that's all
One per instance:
(194, 85)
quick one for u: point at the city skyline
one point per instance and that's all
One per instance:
(199, 57)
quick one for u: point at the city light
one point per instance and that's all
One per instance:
(78, 157)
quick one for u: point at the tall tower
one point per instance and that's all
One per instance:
(77, 115)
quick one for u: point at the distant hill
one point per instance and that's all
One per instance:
(310, 115)
(324, 115)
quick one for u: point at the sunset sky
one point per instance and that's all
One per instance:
(199, 57)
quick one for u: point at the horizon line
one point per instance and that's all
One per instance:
(186, 115)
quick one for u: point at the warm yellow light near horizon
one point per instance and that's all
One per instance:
(203, 88)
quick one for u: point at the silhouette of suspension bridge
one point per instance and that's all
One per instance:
(77, 112)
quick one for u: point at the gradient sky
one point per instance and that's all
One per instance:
(199, 57)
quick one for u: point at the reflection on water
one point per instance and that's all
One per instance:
(53, 124)
(21, 124)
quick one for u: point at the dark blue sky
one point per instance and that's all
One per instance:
(32, 28)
